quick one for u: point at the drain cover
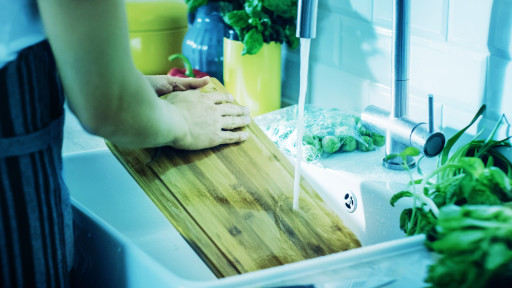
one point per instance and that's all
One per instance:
(350, 201)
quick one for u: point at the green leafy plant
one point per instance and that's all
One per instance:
(258, 21)
(413, 220)
(462, 207)
(470, 175)
(474, 244)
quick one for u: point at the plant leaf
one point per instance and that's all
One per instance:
(491, 136)
(237, 19)
(454, 138)
(253, 8)
(194, 4)
(399, 196)
(405, 218)
(410, 151)
(285, 8)
(253, 41)
(291, 38)
(497, 255)
(392, 156)
(420, 171)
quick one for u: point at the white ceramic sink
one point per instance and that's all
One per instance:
(124, 240)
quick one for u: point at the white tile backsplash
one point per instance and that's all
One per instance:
(331, 87)
(429, 18)
(290, 76)
(500, 32)
(380, 95)
(330, 23)
(460, 51)
(352, 8)
(383, 13)
(499, 87)
(449, 73)
(469, 22)
(363, 51)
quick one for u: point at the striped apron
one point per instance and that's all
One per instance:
(36, 234)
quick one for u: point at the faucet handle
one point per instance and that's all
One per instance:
(430, 113)
(431, 142)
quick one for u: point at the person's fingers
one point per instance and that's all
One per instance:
(198, 82)
(229, 137)
(219, 98)
(229, 109)
(160, 83)
(230, 122)
(182, 84)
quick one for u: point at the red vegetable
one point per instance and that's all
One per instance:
(186, 72)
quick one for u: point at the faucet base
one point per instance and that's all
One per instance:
(389, 164)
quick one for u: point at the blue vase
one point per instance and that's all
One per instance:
(203, 43)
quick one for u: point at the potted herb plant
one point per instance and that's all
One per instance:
(252, 48)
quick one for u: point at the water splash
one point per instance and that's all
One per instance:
(304, 68)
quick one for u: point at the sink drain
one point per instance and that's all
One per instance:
(350, 202)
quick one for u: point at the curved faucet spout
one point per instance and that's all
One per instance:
(400, 131)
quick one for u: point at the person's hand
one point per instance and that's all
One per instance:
(210, 118)
(164, 84)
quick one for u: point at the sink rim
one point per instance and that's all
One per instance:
(274, 274)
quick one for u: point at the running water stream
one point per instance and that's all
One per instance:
(304, 63)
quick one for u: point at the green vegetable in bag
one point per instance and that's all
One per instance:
(349, 144)
(327, 131)
(331, 144)
(313, 140)
(378, 140)
(344, 131)
(367, 145)
(311, 152)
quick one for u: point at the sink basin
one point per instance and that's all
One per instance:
(123, 240)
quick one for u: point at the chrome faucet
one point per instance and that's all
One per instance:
(400, 131)
(306, 18)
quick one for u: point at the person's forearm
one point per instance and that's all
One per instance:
(103, 88)
(141, 120)
(111, 98)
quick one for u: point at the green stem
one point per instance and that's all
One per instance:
(488, 224)
(188, 67)
(491, 136)
(411, 180)
(427, 200)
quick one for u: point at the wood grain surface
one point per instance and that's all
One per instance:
(233, 203)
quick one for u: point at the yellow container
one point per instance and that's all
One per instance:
(157, 29)
(254, 80)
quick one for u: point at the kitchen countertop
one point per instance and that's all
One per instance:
(76, 139)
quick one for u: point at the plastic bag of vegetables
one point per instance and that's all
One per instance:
(326, 131)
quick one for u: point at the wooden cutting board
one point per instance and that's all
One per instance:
(233, 203)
